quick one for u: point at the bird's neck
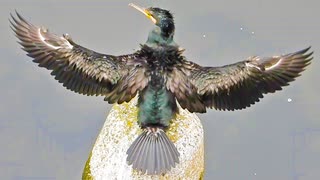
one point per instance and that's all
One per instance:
(158, 36)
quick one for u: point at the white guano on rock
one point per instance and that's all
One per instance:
(107, 159)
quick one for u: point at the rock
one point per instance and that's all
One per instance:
(107, 159)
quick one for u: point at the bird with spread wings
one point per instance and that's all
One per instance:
(160, 75)
(119, 78)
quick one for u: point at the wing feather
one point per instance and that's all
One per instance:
(184, 91)
(240, 85)
(79, 69)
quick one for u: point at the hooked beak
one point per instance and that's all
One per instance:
(144, 11)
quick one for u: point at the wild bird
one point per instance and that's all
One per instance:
(161, 76)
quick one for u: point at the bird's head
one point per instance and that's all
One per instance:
(163, 20)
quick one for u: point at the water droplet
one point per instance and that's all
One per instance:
(289, 99)
(241, 28)
(252, 32)
(204, 35)
(255, 174)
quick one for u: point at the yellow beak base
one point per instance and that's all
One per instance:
(144, 11)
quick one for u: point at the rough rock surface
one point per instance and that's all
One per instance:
(108, 157)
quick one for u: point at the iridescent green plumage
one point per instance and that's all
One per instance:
(161, 76)
(157, 107)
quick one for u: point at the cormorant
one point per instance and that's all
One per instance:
(161, 76)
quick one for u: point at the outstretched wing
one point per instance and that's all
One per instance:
(240, 85)
(81, 70)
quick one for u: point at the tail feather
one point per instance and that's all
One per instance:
(172, 148)
(137, 154)
(153, 152)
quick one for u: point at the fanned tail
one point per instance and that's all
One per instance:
(153, 152)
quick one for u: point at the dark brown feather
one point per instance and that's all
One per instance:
(77, 68)
(240, 85)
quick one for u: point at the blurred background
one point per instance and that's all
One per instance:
(47, 132)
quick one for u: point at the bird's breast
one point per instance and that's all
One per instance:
(161, 57)
(157, 105)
